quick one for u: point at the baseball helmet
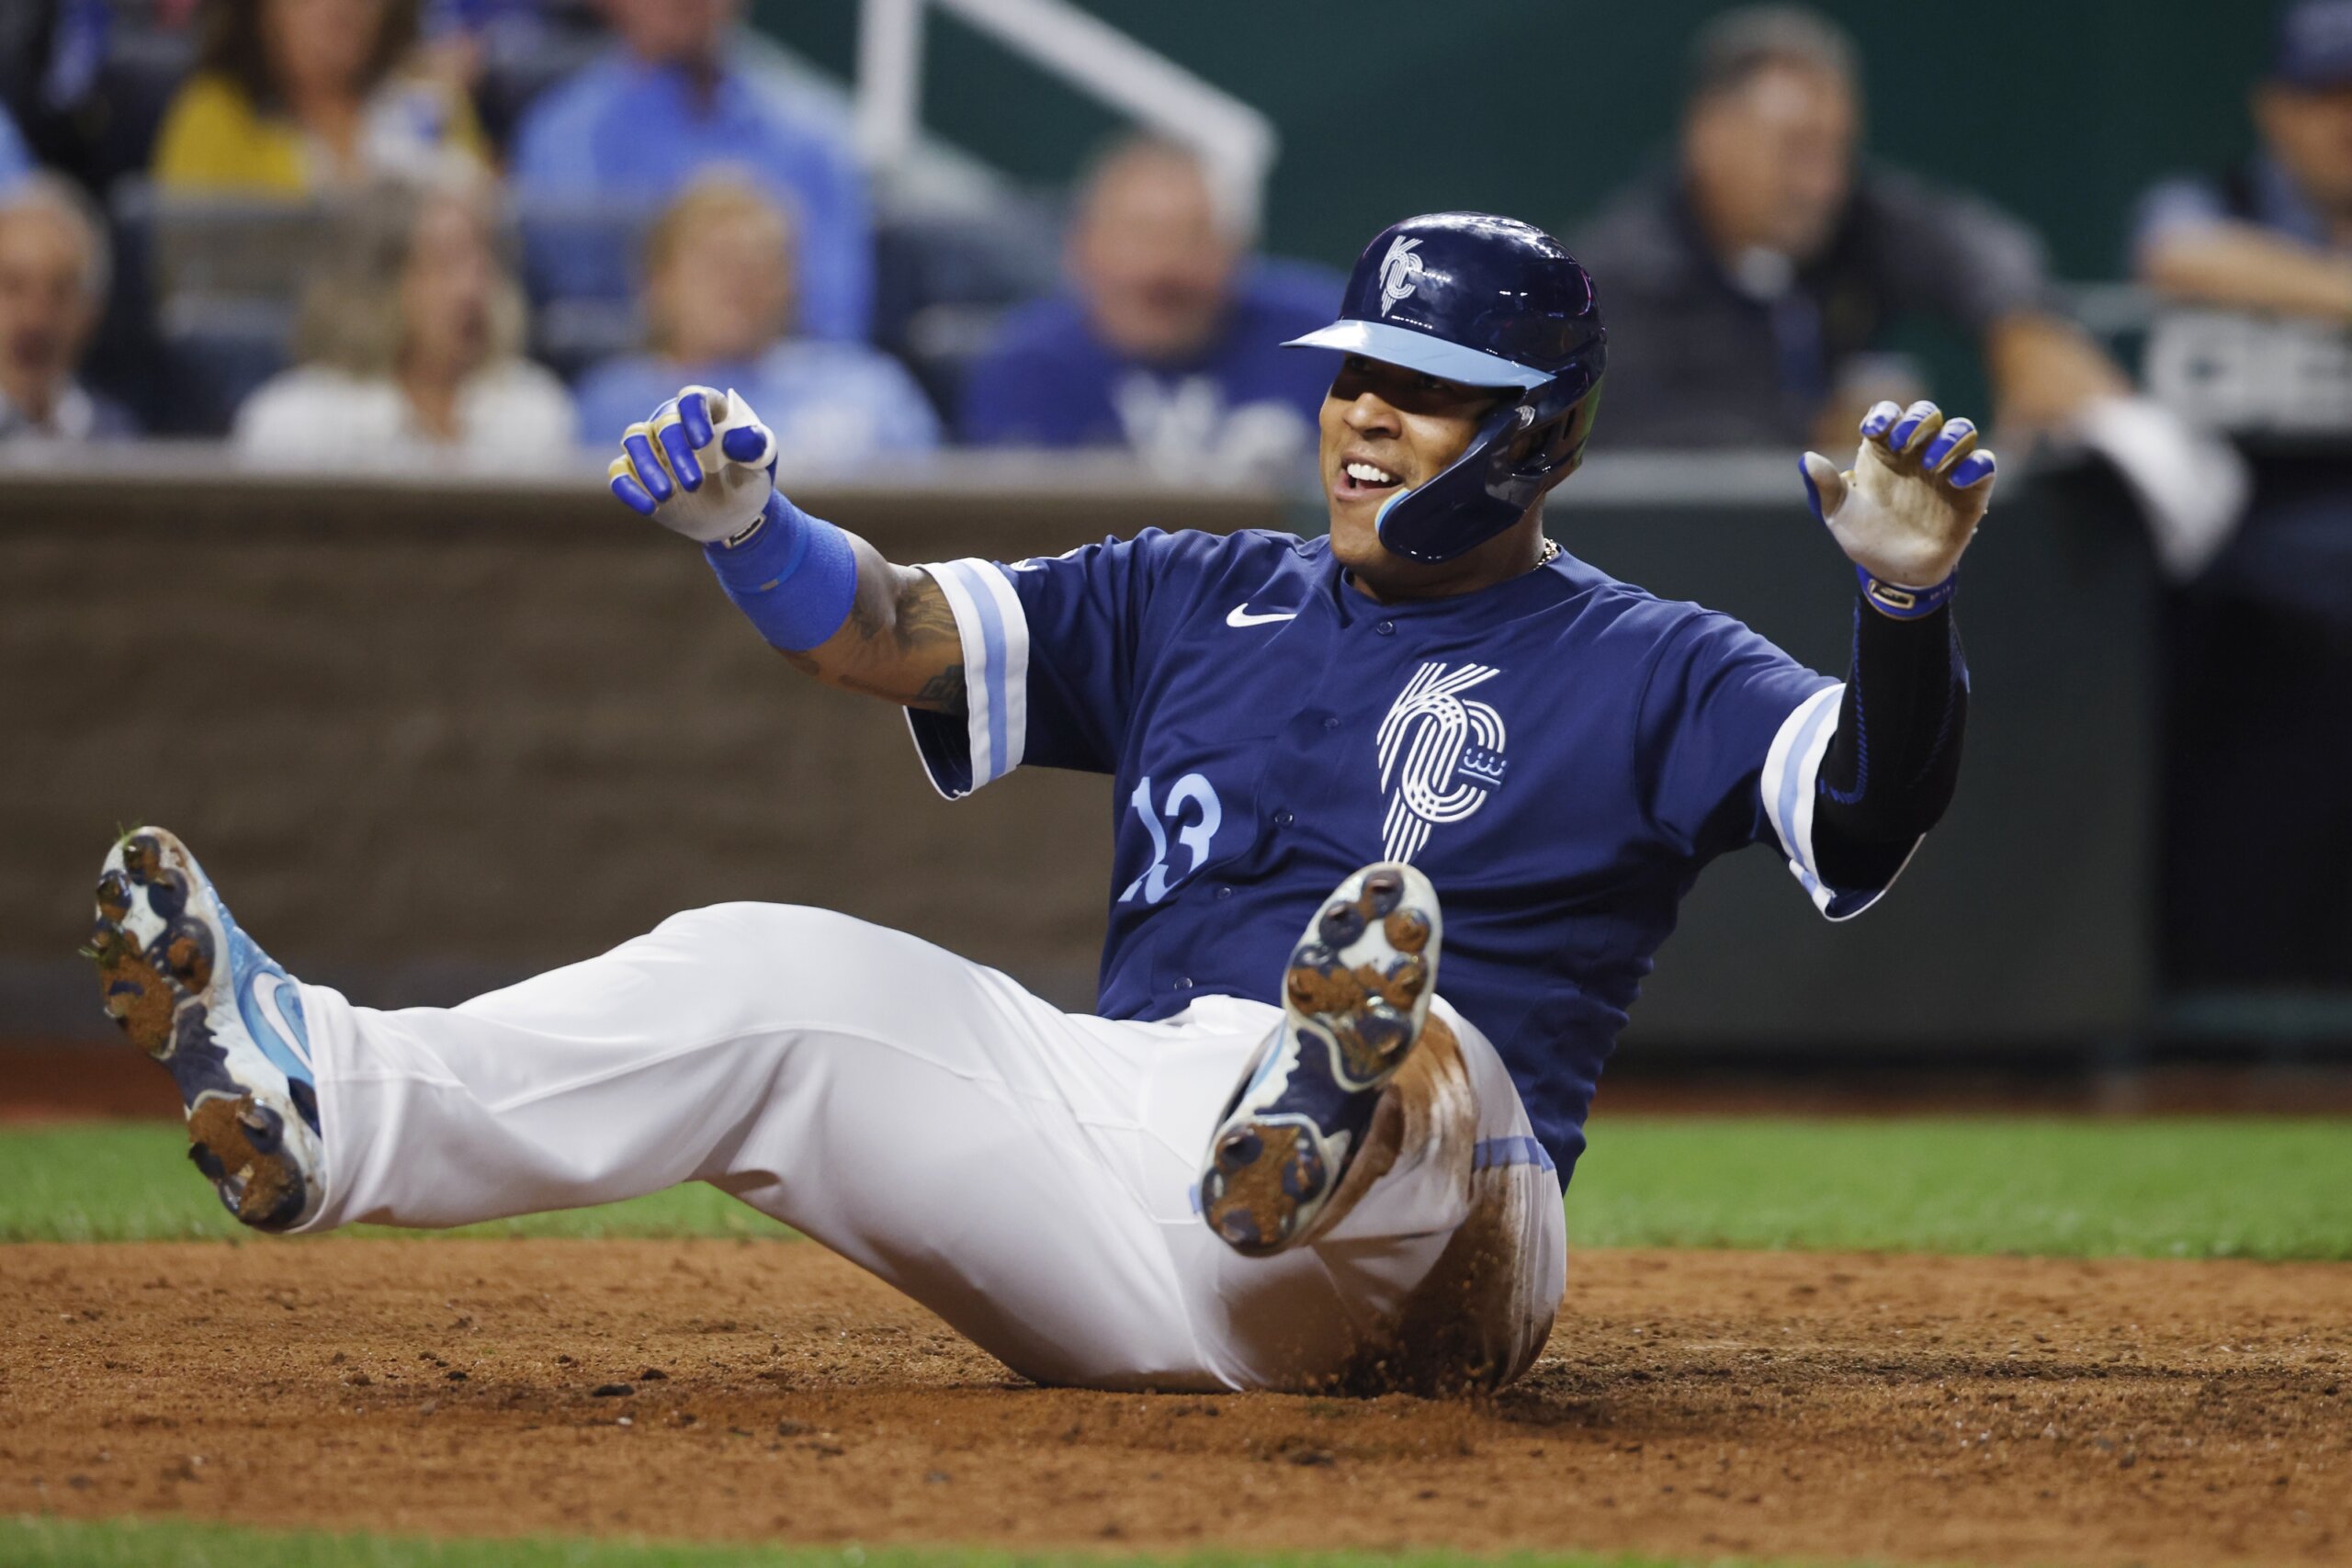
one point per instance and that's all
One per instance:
(1485, 301)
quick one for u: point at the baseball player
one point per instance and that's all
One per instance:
(1402, 815)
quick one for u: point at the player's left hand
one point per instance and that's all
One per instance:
(1908, 506)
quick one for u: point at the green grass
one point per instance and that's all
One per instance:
(2167, 1187)
(2170, 1187)
(51, 1543)
(131, 1182)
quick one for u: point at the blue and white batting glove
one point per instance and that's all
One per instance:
(704, 464)
(1906, 509)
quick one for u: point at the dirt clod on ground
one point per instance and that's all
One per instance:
(1988, 1410)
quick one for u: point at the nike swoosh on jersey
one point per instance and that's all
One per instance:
(1239, 616)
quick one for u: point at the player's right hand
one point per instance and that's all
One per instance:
(704, 464)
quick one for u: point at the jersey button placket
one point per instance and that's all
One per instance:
(1283, 819)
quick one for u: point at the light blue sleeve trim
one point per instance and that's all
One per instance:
(1792, 771)
(995, 730)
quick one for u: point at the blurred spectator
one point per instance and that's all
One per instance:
(718, 297)
(1744, 284)
(415, 347)
(2260, 836)
(293, 97)
(54, 267)
(14, 161)
(1168, 342)
(2274, 234)
(663, 106)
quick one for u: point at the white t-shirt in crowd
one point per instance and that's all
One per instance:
(514, 411)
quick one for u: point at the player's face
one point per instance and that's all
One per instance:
(1385, 429)
(2310, 132)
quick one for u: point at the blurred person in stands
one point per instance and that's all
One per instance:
(415, 347)
(14, 161)
(2258, 863)
(296, 98)
(54, 267)
(1746, 282)
(717, 307)
(1169, 339)
(664, 106)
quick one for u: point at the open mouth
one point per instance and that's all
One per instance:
(1360, 478)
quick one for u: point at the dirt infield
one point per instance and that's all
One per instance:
(1919, 1408)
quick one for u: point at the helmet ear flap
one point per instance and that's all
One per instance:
(1559, 421)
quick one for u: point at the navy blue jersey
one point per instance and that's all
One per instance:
(1561, 754)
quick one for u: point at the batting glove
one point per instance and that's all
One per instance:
(1908, 506)
(704, 464)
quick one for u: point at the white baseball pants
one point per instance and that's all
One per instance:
(1025, 1173)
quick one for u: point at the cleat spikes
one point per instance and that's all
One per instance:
(1382, 891)
(1408, 930)
(114, 896)
(142, 857)
(188, 955)
(1341, 924)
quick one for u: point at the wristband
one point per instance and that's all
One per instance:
(1897, 602)
(794, 576)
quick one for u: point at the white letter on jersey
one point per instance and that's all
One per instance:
(1451, 754)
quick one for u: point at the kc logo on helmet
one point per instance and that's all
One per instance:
(1401, 272)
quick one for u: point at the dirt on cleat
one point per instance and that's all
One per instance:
(234, 1140)
(138, 995)
(1263, 1174)
(1356, 994)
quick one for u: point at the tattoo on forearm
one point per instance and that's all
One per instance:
(943, 692)
(921, 629)
(924, 616)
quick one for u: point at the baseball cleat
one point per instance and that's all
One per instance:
(193, 991)
(1355, 996)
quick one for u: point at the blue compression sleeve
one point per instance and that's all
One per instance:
(795, 577)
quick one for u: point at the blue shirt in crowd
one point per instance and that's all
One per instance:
(828, 403)
(622, 129)
(1049, 381)
(1561, 752)
(14, 161)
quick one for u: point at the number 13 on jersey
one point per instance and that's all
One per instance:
(1192, 792)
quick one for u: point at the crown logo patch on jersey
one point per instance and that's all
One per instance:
(1400, 273)
(1441, 755)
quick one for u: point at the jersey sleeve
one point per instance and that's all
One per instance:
(1731, 734)
(1050, 649)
